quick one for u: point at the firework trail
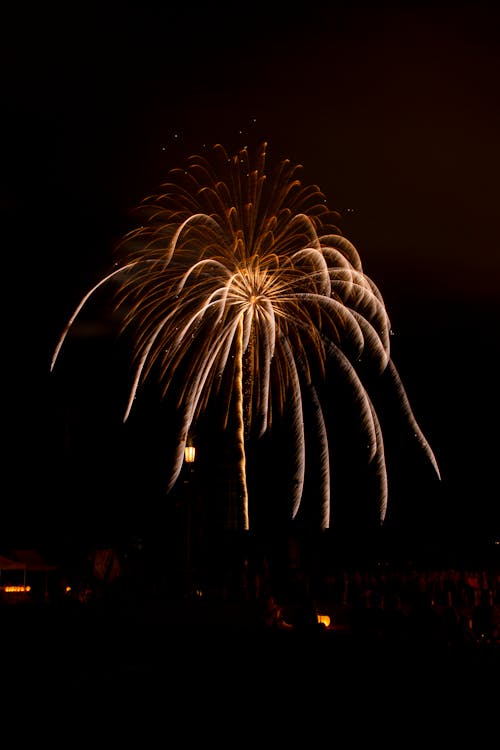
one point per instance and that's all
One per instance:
(239, 282)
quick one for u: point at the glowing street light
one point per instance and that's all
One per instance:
(189, 454)
(189, 458)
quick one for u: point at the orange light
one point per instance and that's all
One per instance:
(16, 589)
(189, 454)
(324, 620)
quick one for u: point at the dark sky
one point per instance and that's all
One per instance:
(392, 108)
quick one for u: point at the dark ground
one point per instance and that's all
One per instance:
(205, 671)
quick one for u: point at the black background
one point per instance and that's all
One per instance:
(392, 108)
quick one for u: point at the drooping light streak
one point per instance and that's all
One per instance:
(240, 282)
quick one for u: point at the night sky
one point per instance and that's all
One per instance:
(392, 108)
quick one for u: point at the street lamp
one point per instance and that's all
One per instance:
(189, 454)
(189, 458)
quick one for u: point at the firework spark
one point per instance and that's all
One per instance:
(239, 282)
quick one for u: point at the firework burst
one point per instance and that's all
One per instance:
(238, 285)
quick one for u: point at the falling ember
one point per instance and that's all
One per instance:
(238, 282)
